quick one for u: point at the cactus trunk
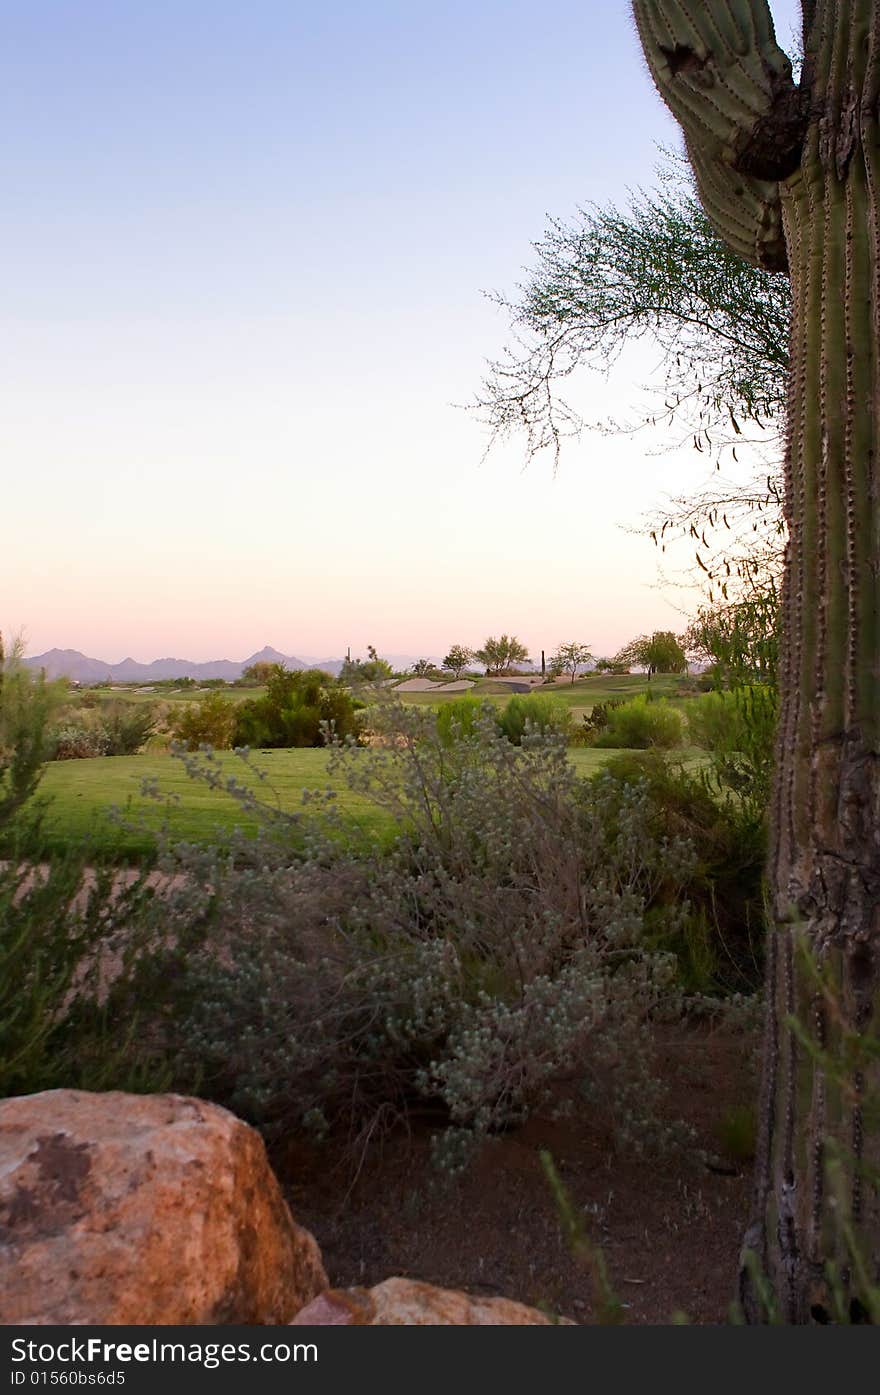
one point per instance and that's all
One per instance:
(791, 174)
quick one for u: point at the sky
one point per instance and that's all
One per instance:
(243, 259)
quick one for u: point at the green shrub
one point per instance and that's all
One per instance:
(596, 721)
(459, 717)
(642, 723)
(128, 726)
(739, 729)
(211, 722)
(534, 713)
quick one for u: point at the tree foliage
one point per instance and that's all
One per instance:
(569, 658)
(660, 652)
(657, 272)
(457, 659)
(372, 669)
(211, 722)
(740, 641)
(498, 655)
(296, 710)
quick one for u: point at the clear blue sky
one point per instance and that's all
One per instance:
(243, 247)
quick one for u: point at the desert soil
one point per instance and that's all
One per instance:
(669, 1229)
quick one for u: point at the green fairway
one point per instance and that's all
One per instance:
(584, 693)
(82, 792)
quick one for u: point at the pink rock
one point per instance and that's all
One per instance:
(408, 1303)
(118, 1208)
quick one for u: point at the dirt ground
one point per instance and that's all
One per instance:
(669, 1229)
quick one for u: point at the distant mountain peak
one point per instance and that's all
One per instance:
(70, 663)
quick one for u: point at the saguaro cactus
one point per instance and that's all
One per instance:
(789, 174)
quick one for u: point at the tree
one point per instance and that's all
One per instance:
(498, 655)
(740, 641)
(257, 674)
(423, 668)
(211, 722)
(660, 652)
(369, 670)
(295, 710)
(569, 658)
(789, 175)
(457, 659)
(610, 666)
(658, 270)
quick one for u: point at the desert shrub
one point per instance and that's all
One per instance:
(597, 719)
(57, 919)
(719, 941)
(102, 729)
(498, 948)
(642, 723)
(79, 735)
(296, 709)
(128, 726)
(211, 722)
(738, 727)
(459, 717)
(536, 712)
(28, 705)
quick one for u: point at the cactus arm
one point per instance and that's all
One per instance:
(746, 213)
(719, 69)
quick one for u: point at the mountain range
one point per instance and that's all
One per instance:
(70, 663)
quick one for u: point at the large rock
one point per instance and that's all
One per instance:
(408, 1303)
(119, 1208)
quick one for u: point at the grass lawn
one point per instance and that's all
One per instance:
(80, 794)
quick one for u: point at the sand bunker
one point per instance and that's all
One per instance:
(424, 685)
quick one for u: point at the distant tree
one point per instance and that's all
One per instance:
(660, 652)
(295, 711)
(210, 722)
(570, 657)
(498, 655)
(423, 668)
(609, 666)
(457, 659)
(257, 674)
(369, 670)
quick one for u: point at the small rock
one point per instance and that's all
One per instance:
(408, 1303)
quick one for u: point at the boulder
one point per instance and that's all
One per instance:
(118, 1208)
(408, 1303)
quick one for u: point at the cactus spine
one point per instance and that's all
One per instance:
(790, 176)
